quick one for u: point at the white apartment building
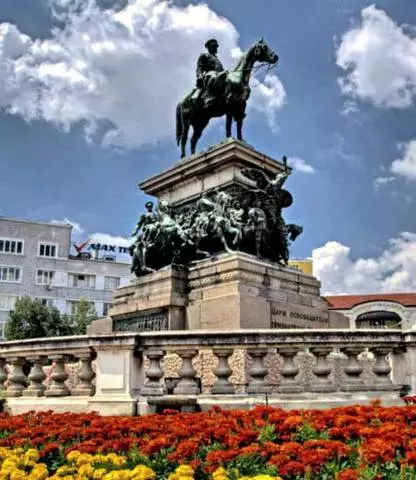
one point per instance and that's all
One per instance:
(36, 261)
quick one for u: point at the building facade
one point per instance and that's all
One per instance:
(36, 261)
(383, 310)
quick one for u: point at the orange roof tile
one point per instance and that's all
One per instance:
(345, 302)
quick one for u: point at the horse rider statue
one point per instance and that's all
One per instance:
(208, 66)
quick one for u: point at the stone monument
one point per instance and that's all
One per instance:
(213, 252)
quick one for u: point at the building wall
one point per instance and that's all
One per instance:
(60, 293)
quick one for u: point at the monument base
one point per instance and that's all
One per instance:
(230, 291)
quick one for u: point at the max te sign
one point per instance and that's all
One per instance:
(79, 247)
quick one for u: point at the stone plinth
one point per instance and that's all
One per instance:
(242, 291)
(231, 291)
(217, 167)
(155, 301)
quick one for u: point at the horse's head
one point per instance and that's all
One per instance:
(263, 53)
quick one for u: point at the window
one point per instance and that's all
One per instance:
(10, 274)
(47, 302)
(79, 280)
(11, 245)
(379, 320)
(106, 307)
(7, 302)
(111, 283)
(71, 307)
(44, 277)
(48, 250)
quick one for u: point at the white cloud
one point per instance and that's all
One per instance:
(76, 227)
(379, 60)
(380, 181)
(300, 165)
(267, 97)
(406, 166)
(393, 271)
(121, 70)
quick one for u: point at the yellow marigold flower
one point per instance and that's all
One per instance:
(99, 473)
(83, 459)
(115, 459)
(9, 462)
(17, 475)
(72, 456)
(220, 474)
(86, 470)
(185, 471)
(32, 455)
(39, 472)
(173, 476)
(66, 470)
(144, 472)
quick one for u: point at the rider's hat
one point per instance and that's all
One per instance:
(148, 204)
(211, 41)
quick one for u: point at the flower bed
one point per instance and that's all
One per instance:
(361, 442)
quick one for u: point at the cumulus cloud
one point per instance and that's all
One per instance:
(118, 71)
(393, 271)
(300, 165)
(379, 61)
(406, 165)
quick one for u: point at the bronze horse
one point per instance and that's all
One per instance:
(230, 90)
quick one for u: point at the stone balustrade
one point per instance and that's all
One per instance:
(124, 373)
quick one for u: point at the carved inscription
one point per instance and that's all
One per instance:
(297, 317)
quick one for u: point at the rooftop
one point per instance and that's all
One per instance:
(346, 302)
(36, 222)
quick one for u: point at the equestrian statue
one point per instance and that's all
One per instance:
(219, 92)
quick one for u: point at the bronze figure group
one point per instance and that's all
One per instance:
(249, 220)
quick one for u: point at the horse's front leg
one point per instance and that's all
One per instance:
(228, 123)
(184, 138)
(239, 120)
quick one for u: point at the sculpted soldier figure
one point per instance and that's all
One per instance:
(207, 64)
(148, 223)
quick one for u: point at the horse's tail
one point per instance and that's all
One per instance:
(179, 123)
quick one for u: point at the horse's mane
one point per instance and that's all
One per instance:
(241, 61)
(244, 57)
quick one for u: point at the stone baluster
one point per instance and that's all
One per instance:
(222, 385)
(187, 384)
(353, 370)
(321, 370)
(57, 386)
(85, 375)
(36, 377)
(258, 372)
(153, 374)
(289, 384)
(381, 369)
(3, 373)
(17, 379)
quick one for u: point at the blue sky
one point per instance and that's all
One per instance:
(81, 124)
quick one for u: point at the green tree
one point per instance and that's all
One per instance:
(31, 319)
(85, 314)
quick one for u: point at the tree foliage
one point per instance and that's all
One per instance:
(85, 314)
(31, 319)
